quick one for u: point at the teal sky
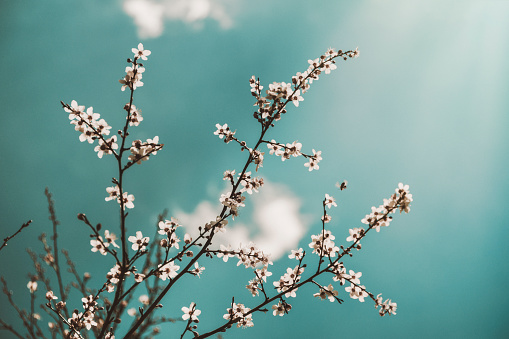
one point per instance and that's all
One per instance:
(425, 104)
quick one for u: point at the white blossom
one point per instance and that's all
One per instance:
(327, 292)
(168, 271)
(139, 242)
(281, 309)
(191, 312)
(32, 286)
(140, 52)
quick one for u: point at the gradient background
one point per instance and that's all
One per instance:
(425, 103)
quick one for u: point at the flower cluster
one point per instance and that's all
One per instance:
(100, 245)
(168, 228)
(387, 306)
(329, 201)
(91, 128)
(294, 150)
(134, 115)
(113, 276)
(284, 151)
(355, 290)
(219, 224)
(355, 235)
(271, 106)
(251, 256)
(132, 78)
(114, 193)
(233, 201)
(288, 280)
(140, 151)
(379, 216)
(237, 313)
(261, 276)
(80, 320)
(339, 271)
(314, 160)
(250, 184)
(327, 292)
(323, 244)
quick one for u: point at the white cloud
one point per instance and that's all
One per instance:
(149, 15)
(276, 225)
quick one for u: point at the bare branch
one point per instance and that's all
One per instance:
(17, 232)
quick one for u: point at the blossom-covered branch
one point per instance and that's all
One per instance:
(157, 263)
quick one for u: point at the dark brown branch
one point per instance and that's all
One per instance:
(17, 232)
(56, 265)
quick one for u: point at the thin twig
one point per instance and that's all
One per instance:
(12, 236)
(9, 328)
(56, 266)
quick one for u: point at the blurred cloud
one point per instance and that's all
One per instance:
(276, 224)
(149, 15)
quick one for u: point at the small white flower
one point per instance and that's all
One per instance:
(327, 292)
(191, 312)
(140, 52)
(114, 193)
(169, 270)
(144, 299)
(197, 270)
(110, 238)
(138, 277)
(355, 233)
(139, 242)
(50, 296)
(330, 201)
(106, 147)
(280, 309)
(32, 286)
(354, 277)
(297, 254)
(312, 164)
(128, 200)
(97, 245)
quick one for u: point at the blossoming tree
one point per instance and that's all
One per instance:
(160, 263)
